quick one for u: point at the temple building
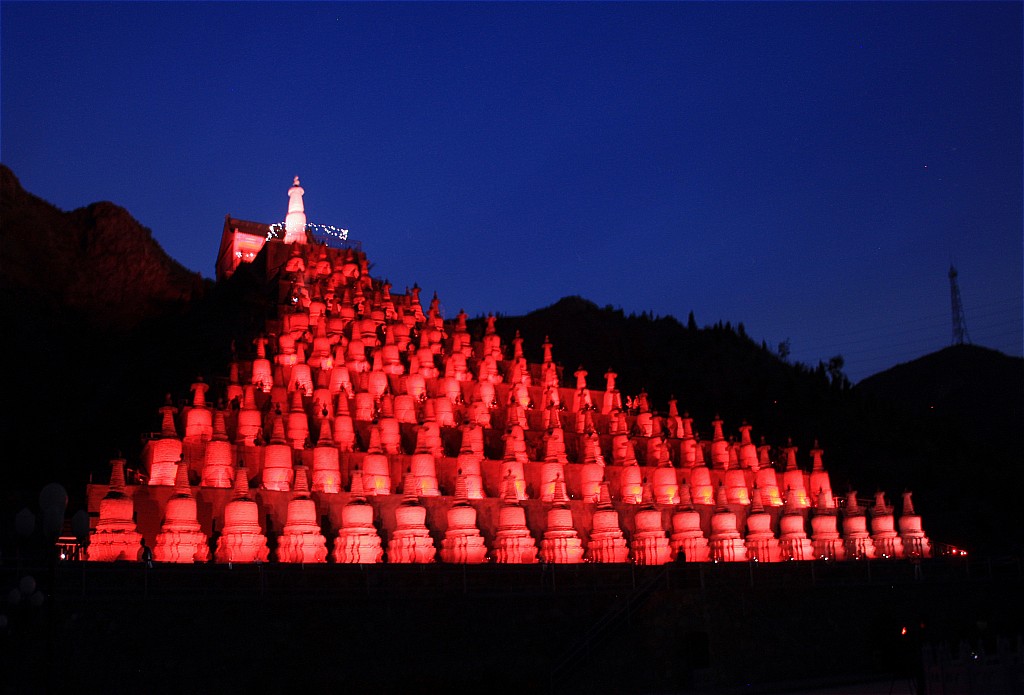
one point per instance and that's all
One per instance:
(360, 414)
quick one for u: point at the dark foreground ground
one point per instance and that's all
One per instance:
(795, 627)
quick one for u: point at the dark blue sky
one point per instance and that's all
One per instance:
(808, 169)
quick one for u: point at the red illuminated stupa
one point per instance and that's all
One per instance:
(762, 545)
(462, 541)
(301, 540)
(888, 543)
(650, 543)
(410, 541)
(607, 542)
(687, 540)
(181, 538)
(561, 543)
(793, 541)
(726, 542)
(218, 470)
(115, 537)
(357, 541)
(163, 452)
(242, 539)
(513, 543)
(915, 543)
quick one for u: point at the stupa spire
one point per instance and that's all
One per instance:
(756, 505)
(356, 487)
(241, 490)
(685, 501)
(117, 484)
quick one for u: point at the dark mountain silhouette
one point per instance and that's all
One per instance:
(712, 370)
(952, 422)
(102, 323)
(98, 323)
(978, 391)
(97, 261)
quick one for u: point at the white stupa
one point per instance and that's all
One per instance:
(295, 222)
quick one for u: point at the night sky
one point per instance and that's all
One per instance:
(810, 170)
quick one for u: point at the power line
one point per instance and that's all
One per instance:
(934, 325)
(932, 318)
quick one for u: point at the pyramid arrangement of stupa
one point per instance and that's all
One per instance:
(359, 427)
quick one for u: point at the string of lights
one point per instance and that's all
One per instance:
(277, 230)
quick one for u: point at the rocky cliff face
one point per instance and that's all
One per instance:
(97, 321)
(97, 261)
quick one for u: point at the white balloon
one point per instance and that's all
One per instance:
(53, 496)
(27, 585)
